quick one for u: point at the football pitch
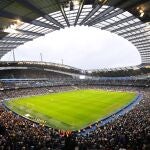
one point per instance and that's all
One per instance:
(71, 110)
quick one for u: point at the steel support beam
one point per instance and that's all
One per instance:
(45, 25)
(29, 33)
(90, 14)
(64, 15)
(136, 34)
(145, 59)
(145, 51)
(9, 43)
(101, 14)
(118, 22)
(79, 12)
(32, 7)
(49, 18)
(138, 44)
(113, 14)
(142, 47)
(142, 42)
(27, 20)
(128, 26)
(130, 31)
(7, 47)
(61, 7)
(145, 62)
(3, 46)
(16, 39)
(139, 38)
(145, 55)
(133, 34)
(4, 51)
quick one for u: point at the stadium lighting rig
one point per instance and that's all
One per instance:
(141, 11)
(73, 3)
(103, 1)
(70, 3)
(12, 28)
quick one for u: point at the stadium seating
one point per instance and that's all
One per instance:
(17, 132)
(130, 131)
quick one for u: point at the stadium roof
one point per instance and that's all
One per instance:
(24, 20)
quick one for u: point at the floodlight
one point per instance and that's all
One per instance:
(103, 1)
(12, 28)
(75, 2)
(18, 22)
(141, 13)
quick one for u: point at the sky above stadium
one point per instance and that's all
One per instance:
(81, 47)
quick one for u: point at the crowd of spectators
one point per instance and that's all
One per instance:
(60, 79)
(32, 74)
(13, 93)
(131, 131)
(128, 132)
(17, 133)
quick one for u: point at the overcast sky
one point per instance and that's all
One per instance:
(81, 47)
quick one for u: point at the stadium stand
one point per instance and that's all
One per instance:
(130, 131)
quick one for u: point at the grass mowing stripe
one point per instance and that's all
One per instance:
(71, 110)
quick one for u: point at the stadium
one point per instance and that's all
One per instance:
(52, 106)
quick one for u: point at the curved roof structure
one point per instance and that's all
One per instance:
(24, 20)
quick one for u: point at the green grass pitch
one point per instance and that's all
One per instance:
(71, 110)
